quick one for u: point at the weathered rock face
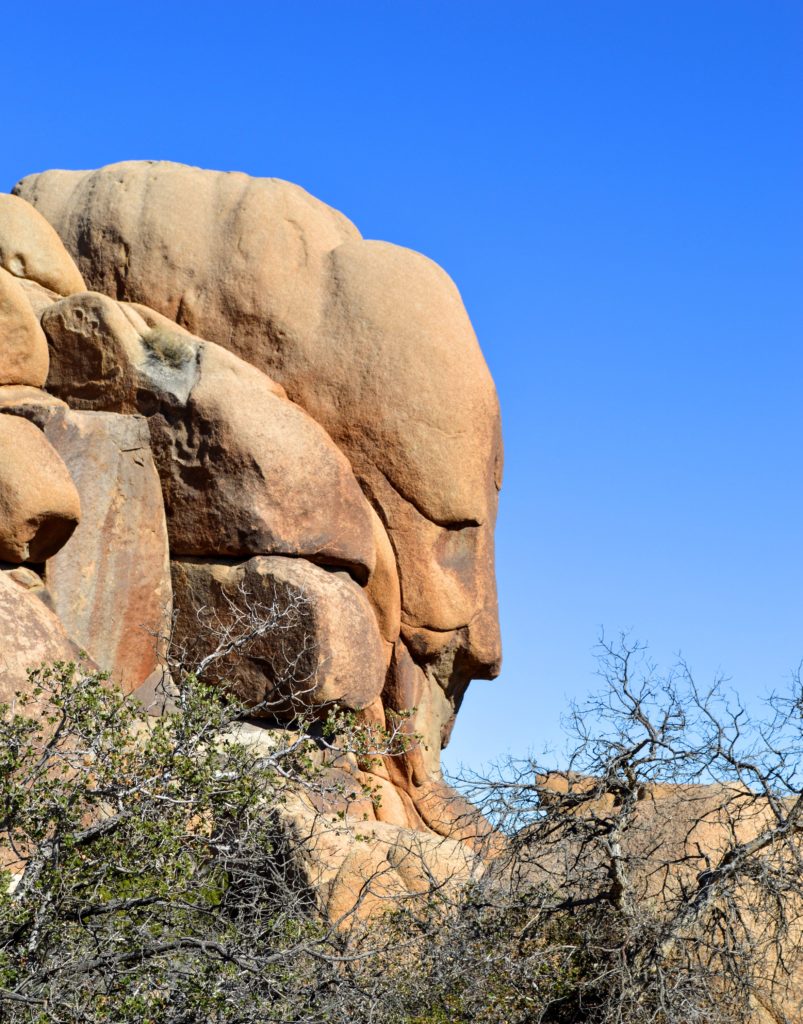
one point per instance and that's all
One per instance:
(110, 586)
(32, 634)
(326, 436)
(310, 635)
(371, 339)
(39, 505)
(23, 346)
(244, 470)
(30, 248)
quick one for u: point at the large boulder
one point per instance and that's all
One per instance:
(371, 339)
(253, 246)
(30, 248)
(110, 586)
(23, 346)
(281, 633)
(39, 504)
(244, 471)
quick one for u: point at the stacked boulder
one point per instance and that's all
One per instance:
(220, 398)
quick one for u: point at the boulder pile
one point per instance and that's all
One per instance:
(224, 410)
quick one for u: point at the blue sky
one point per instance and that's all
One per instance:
(616, 189)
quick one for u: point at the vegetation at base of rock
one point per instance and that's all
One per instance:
(145, 876)
(657, 880)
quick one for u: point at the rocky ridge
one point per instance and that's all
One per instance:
(217, 398)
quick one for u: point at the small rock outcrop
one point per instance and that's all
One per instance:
(322, 646)
(265, 421)
(39, 504)
(110, 586)
(23, 356)
(31, 249)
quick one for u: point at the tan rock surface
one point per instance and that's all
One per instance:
(39, 505)
(360, 869)
(313, 635)
(382, 589)
(110, 585)
(30, 248)
(32, 635)
(371, 339)
(254, 245)
(23, 346)
(244, 470)
(416, 773)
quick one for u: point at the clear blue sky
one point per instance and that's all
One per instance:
(616, 189)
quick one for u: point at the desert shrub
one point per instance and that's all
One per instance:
(168, 347)
(656, 879)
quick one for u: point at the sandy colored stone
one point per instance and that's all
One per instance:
(321, 645)
(33, 403)
(382, 589)
(244, 470)
(30, 248)
(111, 584)
(23, 346)
(414, 399)
(416, 773)
(39, 297)
(370, 338)
(39, 505)
(254, 245)
(94, 349)
(31, 632)
(357, 870)
(449, 613)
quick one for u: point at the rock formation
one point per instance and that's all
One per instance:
(222, 406)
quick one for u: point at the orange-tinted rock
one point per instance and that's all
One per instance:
(416, 773)
(449, 614)
(382, 589)
(110, 585)
(402, 384)
(32, 635)
(39, 505)
(307, 637)
(357, 879)
(371, 339)
(256, 246)
(244, 470)
(30, 248)
(23, 346)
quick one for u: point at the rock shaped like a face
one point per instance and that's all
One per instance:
(244, 471)
(294, 635)
(39, 505)
(371, 339)
(30, 248)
